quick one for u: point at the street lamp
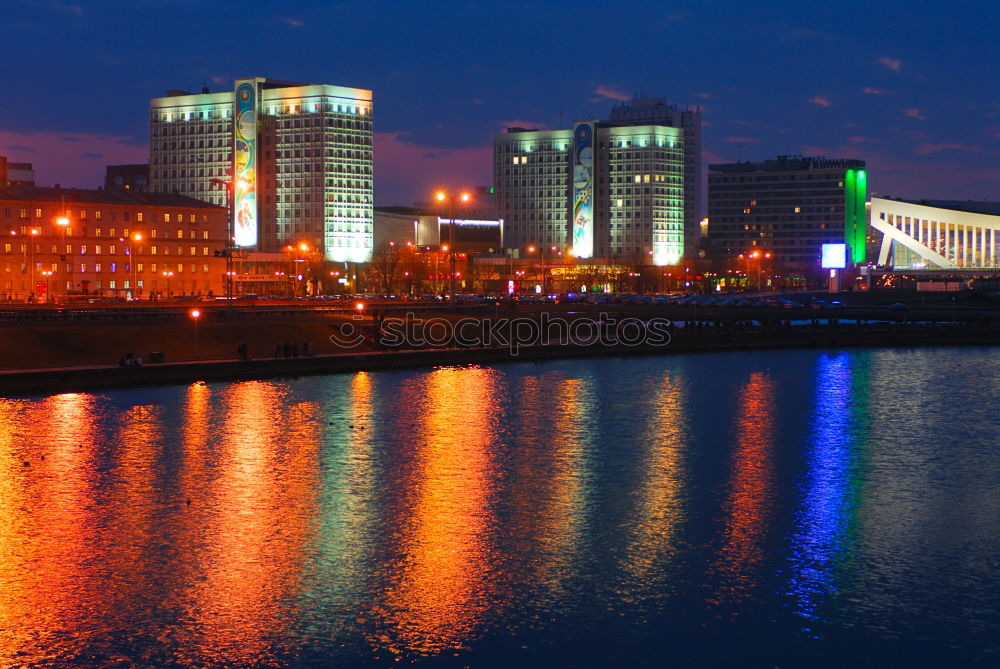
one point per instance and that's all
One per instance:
(63, 222)
(228, 251)
(46, 273)
(195, 315)
(136, 237)
(167, 274)
(442, 197)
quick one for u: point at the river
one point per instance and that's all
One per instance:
(753, 509)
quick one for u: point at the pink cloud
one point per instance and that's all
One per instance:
(820, 100)
(733, 139)
(295, 23)
(928, 148)
(870, 90)
(706, 96)
(913, 112)
(892, 63)
(612, 93)
(71, 159)
(406, 172)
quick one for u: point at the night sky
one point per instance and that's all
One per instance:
(909, 87)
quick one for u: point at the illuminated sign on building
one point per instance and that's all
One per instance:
(245, 167)
(583, 190)
(855, 214)
(833, 256)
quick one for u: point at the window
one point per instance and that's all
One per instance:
(180, 234)
(204, 250)
(38, 213)
(152, 250)
(138, 217)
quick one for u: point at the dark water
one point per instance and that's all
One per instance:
(750, 509)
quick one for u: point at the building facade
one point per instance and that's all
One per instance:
(656, 111)
(16, 174)
(298, 158)
(133, 178)
(65, 244)
(600, 190)
(789, 206)
(936, 234)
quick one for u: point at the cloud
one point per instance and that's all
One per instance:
(928, 148)
(612, 93)
(705, 96)
(913, 112)
(406, 172)
(478, 101)
(734, 139)
(820, 100)
(54, 164)
(293, 22)
(869, 90)
(892, 63)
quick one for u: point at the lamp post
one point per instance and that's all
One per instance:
(31, 258)
(442, 196)
(195, 315)
(46, 273)
(136, 237)
(167, 274)
(228, 251)
(63, 222)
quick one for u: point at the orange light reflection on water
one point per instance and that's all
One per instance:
(440, 589)
(661, 508)
(246, 526)
(48, 591)
(749, 503)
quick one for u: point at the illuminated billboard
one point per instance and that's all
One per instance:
(245, 163)
(833, 256)
(855, 214)
(583, 190)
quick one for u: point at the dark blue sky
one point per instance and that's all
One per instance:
(909, 87)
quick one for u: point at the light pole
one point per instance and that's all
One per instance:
(167, 274)
(31, 259)
(195, 315)
(228, 251)
(46, 273)
(136, 237)
(442, 196)
(63, 222)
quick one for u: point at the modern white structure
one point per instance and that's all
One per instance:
(936, 235)
(300, 157)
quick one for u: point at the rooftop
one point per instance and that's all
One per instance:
(790, 164)
(77, 195)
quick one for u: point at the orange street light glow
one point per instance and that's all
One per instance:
(195, 314)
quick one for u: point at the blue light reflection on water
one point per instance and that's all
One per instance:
(824, 517)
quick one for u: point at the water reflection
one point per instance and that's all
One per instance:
(750, 496)
(48, 592)
(822, 523)
(245, 534)
(439, 589)
(660, 494)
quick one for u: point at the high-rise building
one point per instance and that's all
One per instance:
(656, 111)
(601, 190)
(789, 206)
(16, 174)
(299, 157)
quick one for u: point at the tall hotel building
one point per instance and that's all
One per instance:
(790, 205)
(299, 158)
(610, 190)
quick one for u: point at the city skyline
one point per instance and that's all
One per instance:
(902, 92)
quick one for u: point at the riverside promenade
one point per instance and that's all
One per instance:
(694, 337)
